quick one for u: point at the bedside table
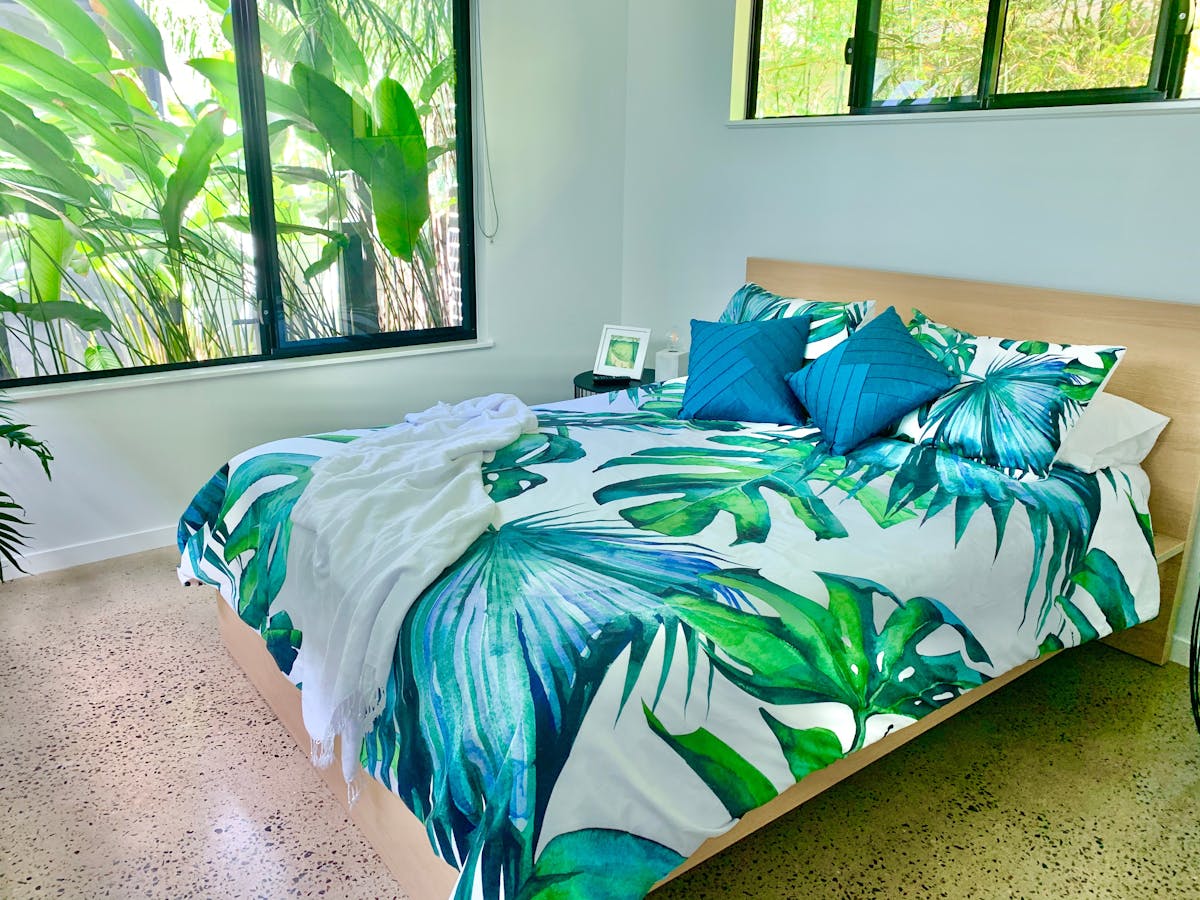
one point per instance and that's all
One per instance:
(586, 384)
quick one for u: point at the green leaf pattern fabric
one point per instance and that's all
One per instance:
(1015, 400)
(832, 322)
(672, 622)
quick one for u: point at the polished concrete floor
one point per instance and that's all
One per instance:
(137, 761)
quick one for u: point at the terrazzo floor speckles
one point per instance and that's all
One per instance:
(137, 761)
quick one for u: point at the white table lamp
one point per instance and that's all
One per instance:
(671, 361)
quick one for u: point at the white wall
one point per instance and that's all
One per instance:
(1106, 204)
(129, 458)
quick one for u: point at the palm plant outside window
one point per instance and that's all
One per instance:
(185, 183)
(807, 58)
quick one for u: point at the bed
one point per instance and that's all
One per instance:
(647, 694)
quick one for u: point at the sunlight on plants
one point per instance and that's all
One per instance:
(932, 51)
(124, 219)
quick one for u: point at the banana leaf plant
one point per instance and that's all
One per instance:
(122, 183)
(12, 539)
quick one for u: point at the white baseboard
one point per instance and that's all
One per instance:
(94, 551)
(1180, 649)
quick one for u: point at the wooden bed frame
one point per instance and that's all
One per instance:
(1161, 370)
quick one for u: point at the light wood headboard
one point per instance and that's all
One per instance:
(1160, 370)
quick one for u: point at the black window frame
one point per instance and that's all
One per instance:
(268, 287)
(1165, 81)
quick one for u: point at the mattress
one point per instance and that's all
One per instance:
(672, 622)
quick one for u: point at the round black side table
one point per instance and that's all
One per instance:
(586, 383)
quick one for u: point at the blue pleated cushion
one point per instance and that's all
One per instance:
(869, 382)
(738, 372)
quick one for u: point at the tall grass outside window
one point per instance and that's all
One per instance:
(131, 145)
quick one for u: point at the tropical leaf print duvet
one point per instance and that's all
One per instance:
(675, 621)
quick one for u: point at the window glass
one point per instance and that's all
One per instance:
(361, 102)
(929, 51)
(1191, 77)
(802, 67)
(120, 168)
(1051, 45)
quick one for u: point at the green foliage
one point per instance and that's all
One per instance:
(17, 436)
(815, 654)
(282, 100)
(82, 39)
(805, 749)
(464, 729)
(265, 529)
(1051, 45)
(507, 475)
(1102, 579)
(581, 863)
(802, 70)
(935, 49)
(191, 173)
(1062, 509)
(85, 318)
(97, 358)
(737, 783)
(122, 193)
(135, 30)
(732, 474)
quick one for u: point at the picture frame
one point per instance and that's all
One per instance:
(622, 352)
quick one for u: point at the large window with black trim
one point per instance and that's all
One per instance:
(189, 182)
(818, 58)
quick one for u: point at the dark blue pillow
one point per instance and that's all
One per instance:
(869, 382)
(738, 372)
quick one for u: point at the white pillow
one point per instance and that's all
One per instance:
(1112, 431)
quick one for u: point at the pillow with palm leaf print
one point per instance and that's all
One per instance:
(1014, 402)
(832, 322)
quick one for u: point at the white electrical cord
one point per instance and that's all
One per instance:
(476, 26)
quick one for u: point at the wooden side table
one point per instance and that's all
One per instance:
(586, 384)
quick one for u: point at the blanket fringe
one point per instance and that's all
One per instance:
(352, 719)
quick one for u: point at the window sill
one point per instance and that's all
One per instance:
(1099, 110)
(126, 382)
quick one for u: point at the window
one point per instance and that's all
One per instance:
(183, 183)
(806, 57)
